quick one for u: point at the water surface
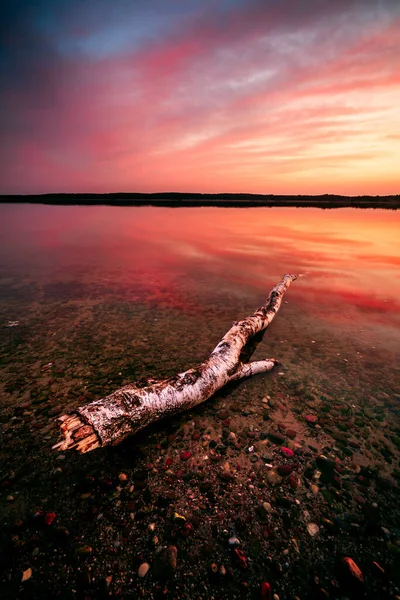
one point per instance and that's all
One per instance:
(109, 294)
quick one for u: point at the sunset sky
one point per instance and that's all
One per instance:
(266, 96)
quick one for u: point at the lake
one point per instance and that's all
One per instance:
(149, 291)
(244, 489)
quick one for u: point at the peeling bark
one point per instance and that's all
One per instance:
(133, 407)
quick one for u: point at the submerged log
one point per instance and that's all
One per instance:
(133, 407)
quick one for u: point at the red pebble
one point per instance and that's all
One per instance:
(185, 455)
(287, 452)
(49, 518)
(196, 436)
(285, 469)
(265, 591)
(293, 480)
(168, 462)
(311, 419)
(291, 433)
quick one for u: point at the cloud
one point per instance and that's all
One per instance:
(260, 96)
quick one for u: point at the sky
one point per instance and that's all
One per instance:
(262, 96)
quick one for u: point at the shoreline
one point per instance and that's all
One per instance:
(177, 200)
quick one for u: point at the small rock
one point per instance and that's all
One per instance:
(276, 437)
(312, 529)
(267, 507)
(314, 489)
(143, 569)
(185, 455)
(287, 452)
(311, 419)
(265, 591)
(122, 477)
(291, 433)
(273, 478)
(26, 574)
(49, 518)
(178, 518)
(285, 469)
(233, 542)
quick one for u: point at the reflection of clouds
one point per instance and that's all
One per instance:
(188, 259)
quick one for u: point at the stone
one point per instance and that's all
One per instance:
(265, 591)
(185, 455)
(312, 529)
(49, 518)
(314, 489)
(276, 437)
(143, 569)
(122, 477)
(350, 573)
(178, 518)
(267, 507)
(273, 478)
(26, 574)
(285, 470)
(287, 452)
(291, 433)
(311, 419)
(233, 542)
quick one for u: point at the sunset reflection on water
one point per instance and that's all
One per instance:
(178, 257)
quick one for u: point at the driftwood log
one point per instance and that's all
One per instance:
(133, 407)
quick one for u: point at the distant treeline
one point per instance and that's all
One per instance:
(176, 199)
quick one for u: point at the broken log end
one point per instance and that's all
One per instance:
(77, 435)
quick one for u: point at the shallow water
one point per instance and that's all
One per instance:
(95, 297)
(148, 291)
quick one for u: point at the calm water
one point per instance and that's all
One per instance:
(111, 294)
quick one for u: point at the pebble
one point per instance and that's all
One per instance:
(49, 518)
(287, 452)
(265, 591)
(311, 419)
(185, 455)
(285, 469)
(233, 542)
(26, 574)
(351, 570)
(273, 478)
(314, 489)
(143, 569)
(312, 529)
(291, 433)
(178, 518)
(122, 477)
(267, 507)
(276, 437)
